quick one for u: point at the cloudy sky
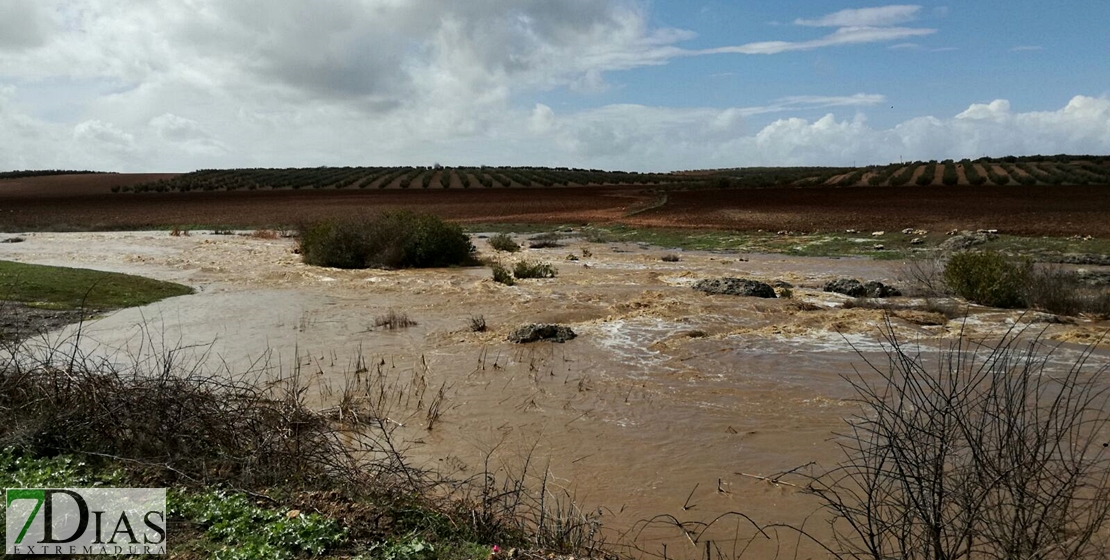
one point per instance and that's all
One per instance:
(176, 85)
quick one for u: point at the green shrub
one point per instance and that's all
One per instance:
(502, 275)
(503, 242)
(527, 269)
(989, 278)
(391, 240)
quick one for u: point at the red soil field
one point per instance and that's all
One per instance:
(85, 202)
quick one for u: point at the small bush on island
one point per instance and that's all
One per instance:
(390, 240)
(504, 242)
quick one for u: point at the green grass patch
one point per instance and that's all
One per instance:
(57, 287)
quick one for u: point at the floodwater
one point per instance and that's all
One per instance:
(663, 404)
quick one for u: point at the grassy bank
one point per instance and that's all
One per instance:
(890, 245)
(63, 288)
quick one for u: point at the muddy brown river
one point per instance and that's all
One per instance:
(659, 405)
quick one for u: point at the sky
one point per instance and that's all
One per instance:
(645, 85)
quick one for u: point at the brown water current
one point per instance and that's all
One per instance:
(665, 397)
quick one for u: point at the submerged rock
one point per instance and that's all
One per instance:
(855, 288)
(537, 332)
(735, 287)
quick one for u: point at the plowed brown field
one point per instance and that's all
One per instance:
(86, 202)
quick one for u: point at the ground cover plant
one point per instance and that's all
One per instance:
(399, 239)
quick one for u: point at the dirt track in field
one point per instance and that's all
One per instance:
(86, 202)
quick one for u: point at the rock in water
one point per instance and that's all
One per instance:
(735, 287)
(879, 290)
(855, 288)
(537, 332)
(846, 286)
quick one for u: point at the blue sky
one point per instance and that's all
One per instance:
(169, 85)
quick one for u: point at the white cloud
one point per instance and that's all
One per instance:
(842, 36)
(883, 16)
(665, 139)
(103, 134)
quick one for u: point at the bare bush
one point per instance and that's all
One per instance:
(174, 422)
(923, 277)
(1056, 290)
(974, 452)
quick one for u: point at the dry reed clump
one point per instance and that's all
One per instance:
(174, 422)
(166, 421)
(394, 320)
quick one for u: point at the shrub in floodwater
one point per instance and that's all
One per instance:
(503, 242)
(989, 278)
(477, 323)
(392, 240)
(502, 275)
(527, 269)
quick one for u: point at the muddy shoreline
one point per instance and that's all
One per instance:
(19, 321)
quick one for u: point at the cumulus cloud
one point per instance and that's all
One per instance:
(24, 24)
(662, 139)
(103, 134)
(209, 83)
